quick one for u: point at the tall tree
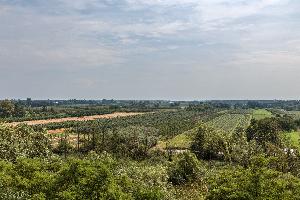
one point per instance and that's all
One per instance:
(7, 108)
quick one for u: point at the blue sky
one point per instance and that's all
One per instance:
(150, 49)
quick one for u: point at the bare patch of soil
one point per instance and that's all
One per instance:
(56, 131)
(84, 118)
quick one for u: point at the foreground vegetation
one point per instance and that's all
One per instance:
(201, 152)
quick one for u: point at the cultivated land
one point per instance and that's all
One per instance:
(261, 114)
(227, 123)
(197, 152)
(68, 119)
(295, 138)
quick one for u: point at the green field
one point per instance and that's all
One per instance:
(181, 141)
(199, 152)
(229, 122)
(261, 114)
(295, 138)
(226, 122)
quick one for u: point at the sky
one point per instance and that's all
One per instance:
(150, 49)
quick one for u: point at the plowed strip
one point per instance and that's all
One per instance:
(85, 118)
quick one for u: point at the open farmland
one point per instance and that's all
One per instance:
(149, 100)
(181, 141)
(148, 148)
(295, 138)
(230, 122)
(165, 124)
(261, 114)
(69, 119)
(226, 123)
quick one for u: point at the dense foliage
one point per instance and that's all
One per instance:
(11, 109)
(256, 182)
(232, 156)
(95, 177)
(22, 141)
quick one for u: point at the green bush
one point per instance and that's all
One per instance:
(256, 182)
(23, 141)
(186, 168)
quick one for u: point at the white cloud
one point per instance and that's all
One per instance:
(162, 2)
(83, 4)
(210, 14)
(224, 10)
(34, 40)
(272, 60)
(130, 41)
(65, 56)
(3, 9)
(155, 29)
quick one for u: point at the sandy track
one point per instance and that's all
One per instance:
(84, 118)
(56, 131)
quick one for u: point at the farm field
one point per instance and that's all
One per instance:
(261, 114)
(164, 154)
(181, 141)
(165, 124)
(230, 122)
(69, 119)
(226, 123)
(295, 138)
(149, 100)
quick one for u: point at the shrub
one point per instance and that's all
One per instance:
(185, 169)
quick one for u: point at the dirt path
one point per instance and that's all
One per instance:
(56, 131)
(84, 118)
